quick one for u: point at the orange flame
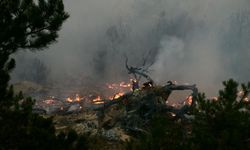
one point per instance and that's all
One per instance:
(189, 100)
(76, 99)
(116, 96)
(99, 102)
(118, 85)
(69, 100)
(97, 99)
(125, 85)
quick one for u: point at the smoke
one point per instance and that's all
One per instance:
(204, 56)
(194, 41)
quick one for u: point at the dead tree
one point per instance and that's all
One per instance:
(141, 109)
(165, 90)
(139, 72)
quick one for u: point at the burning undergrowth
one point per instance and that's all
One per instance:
(124, 115)
(64, 101)
(111, 110)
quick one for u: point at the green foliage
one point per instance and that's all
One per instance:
(223, 123)
(164, 133)
(218, 124)
(21, 129)
(28, 24)
(34, 25)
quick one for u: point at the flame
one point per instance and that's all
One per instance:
(240, 93)
(116, 96)
(214, 98)
(189, 100)
(99, 102)
(97, 99)
(173, 114)
(246, 99)
(119, 88)
(69, 100)
(49, 101)
(76, 99)
(120, 85)
(125, 85)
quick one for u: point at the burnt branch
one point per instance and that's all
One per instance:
(139, 72)
(165, 90)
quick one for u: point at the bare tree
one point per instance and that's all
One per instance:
(141, 71)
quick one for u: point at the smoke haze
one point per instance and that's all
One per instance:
(190, 41)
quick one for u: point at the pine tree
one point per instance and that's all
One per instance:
(223, 123)
(33, 25)
(26, 24)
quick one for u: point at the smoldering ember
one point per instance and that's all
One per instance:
(127, 74)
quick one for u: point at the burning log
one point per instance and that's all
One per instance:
(164, 92)
(173, 87)
(140, 106)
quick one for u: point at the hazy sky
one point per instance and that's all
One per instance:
(191, 41)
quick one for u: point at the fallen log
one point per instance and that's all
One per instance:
(150, 94)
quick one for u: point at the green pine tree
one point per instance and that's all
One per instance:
(218, 124)
(222, 123)
(33, 25)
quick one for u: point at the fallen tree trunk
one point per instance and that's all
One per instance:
(151, 93)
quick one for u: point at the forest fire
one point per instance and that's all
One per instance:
(189, 100)
(76, 99)
(117, 95)
(97, 100)
(118, 86)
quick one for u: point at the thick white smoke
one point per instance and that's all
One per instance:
(194, 41)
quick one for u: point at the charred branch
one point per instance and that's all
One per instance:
(139, 72)
(152, 104)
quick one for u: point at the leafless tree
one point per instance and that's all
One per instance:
(141, 71)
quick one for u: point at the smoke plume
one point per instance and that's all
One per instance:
(190, 41)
